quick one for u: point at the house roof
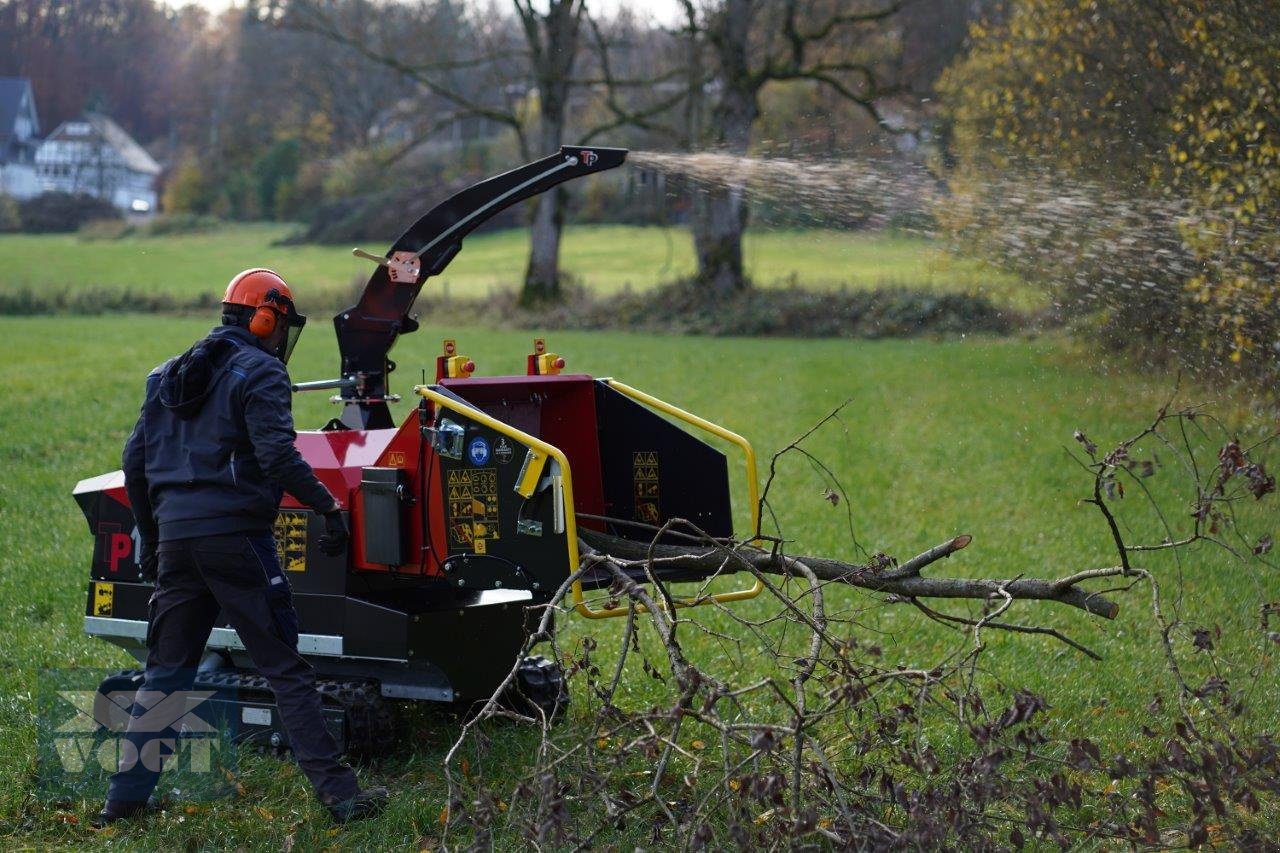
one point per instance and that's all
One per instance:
(135, 157)
(11, 91)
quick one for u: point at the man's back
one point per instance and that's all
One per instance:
(214, 444)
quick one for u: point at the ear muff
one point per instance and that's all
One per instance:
(263, 323)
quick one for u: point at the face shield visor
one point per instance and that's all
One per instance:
(292, 332)
(293, 323)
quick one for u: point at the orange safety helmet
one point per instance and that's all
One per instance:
(268, 294)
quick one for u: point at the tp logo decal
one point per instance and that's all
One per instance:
(588, 158)
(478, 451)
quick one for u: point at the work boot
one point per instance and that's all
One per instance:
(366, 803)
(118, 810)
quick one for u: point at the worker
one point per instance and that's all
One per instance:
(204, 470)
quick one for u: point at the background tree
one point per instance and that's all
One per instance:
(529, 66)
(113, 55)
(1123, 154)
(744, 45)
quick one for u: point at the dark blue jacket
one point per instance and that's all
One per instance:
(214, 445)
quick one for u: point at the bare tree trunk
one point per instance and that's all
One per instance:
(542, 276)
(720, 213)
(720, 216)
(553, 42)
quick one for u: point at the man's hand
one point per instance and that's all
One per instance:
(148, 561)
(334, 540)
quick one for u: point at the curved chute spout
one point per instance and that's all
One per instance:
(368, 329)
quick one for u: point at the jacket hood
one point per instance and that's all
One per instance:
(185, 381)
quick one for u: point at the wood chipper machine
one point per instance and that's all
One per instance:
(462, 517)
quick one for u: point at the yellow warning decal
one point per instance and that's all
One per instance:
(291, 540)
(473, 507)
(644, 476)
(104, 596)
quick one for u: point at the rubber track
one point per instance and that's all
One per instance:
(369, 721)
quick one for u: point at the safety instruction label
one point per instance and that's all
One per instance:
(473, 508)
(291, 540)
(644, 476)
(104, 596)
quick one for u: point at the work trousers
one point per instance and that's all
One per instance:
(240, 576)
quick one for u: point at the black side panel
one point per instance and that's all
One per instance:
(308, 570)
(370, 630)
(118, 600)
(485, 517)
(383, 514)
(475, 646)
(654, 471)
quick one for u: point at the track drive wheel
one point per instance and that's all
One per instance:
(370, 722)
(539, 689)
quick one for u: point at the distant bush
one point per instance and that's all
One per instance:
(104, 229)
(9, 218)
(63, 212)
(274, 173)
(92, 300)
(681, 308)
(686, 308)
(187, 189)
(159, 226)
(375, 193)
(177, 223)
(887, 312)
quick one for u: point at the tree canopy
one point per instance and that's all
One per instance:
(1164, 120)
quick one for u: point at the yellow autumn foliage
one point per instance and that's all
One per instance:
(1126, 153)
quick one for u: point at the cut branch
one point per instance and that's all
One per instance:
(904, 581)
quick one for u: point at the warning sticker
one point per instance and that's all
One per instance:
(291, 540)
(644, 477)
(473, 508)
(502, 451)
(104, 596)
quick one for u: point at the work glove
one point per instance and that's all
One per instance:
(148, 561)
(334, 540)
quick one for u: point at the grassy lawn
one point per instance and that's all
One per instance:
(941, 438)
(604, 258)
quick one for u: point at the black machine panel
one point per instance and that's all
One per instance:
(654, 471)
(384, 490)
(484, 515)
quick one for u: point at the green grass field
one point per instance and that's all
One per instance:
(940, 438)
(603, 258)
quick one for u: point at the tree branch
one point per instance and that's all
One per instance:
(903, 581)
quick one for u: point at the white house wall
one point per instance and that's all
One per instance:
(18, 180)
(96, 169)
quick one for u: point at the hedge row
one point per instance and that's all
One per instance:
(678, 308)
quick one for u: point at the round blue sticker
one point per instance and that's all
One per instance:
(478, 451)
